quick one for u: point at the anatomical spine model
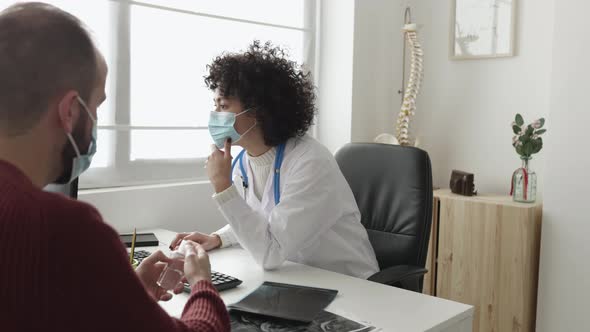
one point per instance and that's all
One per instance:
(408, 107)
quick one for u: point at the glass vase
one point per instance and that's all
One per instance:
(524, 183)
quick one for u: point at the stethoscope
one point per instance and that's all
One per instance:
(277, 174)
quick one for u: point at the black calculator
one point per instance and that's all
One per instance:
(220, 281)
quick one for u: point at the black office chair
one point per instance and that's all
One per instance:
(392, 186)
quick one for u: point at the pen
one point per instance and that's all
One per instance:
(132, 247)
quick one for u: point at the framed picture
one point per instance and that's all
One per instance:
(482, 29)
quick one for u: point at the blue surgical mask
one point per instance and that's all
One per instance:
(82, 161)
(221, 127)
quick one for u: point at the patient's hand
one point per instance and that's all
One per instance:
(149, 271)
(196, 263)
(208, 242)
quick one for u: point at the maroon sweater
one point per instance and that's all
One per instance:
(63, 269)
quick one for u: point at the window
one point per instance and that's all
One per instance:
(157, 51)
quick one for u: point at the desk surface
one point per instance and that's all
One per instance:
(389, 308)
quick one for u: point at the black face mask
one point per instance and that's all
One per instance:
(68, 153)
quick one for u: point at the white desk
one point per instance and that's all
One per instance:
(389, 308)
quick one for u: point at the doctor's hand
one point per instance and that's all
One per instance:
(208, 242)
(219, 167)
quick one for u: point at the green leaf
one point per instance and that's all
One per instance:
(519, 150)
(529, 131)
(519, 120)
(540, 131)
(522, 138)
(542, 120)
(536, 145)
(528, 148)
(516, 129)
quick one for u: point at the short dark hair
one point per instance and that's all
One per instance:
(44, 51)
(262, 78)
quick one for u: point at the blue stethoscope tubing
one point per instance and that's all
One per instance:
(277, 170)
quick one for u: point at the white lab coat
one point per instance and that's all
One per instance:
(316, 223)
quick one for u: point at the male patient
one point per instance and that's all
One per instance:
(61, 267)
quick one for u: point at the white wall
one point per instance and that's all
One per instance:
(178, 207)
(335, 81)
(360, 69)
(564, 283)
(466, 107)
(377, 67)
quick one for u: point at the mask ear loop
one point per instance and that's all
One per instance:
(69, 135)
(86, 109)
(245, 111)
(246, 132)
(249, 129)
(71, 139)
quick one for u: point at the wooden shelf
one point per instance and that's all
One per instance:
(484, 251)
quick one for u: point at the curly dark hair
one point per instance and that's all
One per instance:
(262, 78)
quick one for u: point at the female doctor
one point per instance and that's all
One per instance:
(283, 197)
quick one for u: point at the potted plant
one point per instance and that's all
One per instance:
(527, 141)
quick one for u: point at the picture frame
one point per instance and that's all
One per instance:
(482, 29)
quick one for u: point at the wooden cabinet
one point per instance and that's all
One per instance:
(484, 251)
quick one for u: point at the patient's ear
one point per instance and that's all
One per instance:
(68, 111)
